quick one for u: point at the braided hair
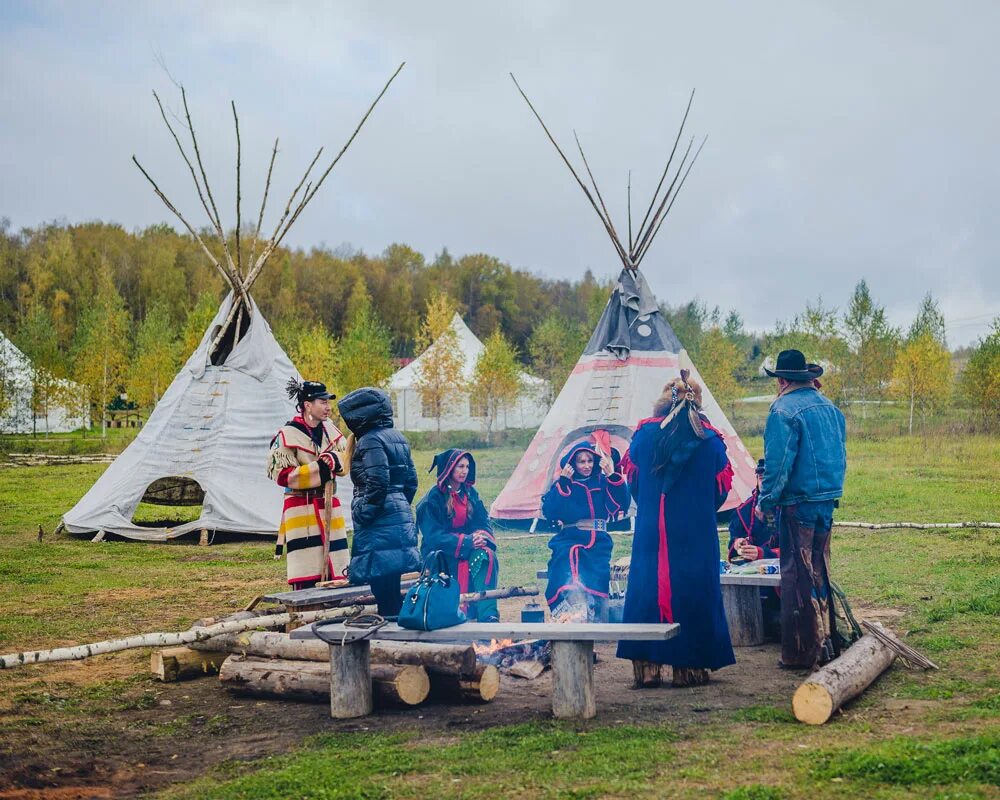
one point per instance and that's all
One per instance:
(681, 430)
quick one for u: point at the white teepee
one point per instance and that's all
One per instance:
(632, 353)
(207, 439)
(525, 412)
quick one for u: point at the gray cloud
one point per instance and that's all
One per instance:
(846, 139)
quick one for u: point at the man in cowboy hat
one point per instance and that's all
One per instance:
(804, 464)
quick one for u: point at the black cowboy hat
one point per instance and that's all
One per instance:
(314, 390)
(791, 365)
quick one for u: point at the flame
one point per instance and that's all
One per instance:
(492, 647)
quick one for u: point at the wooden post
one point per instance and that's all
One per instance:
(203, 541)
(573, 680)
(744, 614)
(842, 679)
(350, 680)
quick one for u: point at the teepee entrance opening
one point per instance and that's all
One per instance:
(169, 501)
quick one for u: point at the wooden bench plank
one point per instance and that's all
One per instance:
(318, 597)
(756, 579)
(471, 631)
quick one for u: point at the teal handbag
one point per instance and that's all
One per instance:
(433, 601)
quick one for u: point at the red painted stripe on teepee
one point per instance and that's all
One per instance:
(638, 361)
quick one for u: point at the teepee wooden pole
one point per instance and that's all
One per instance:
(566, 161)
(647, 234)
(263, 205)
(239, 255)
(666, 169)
(673, 199)
(621, 250)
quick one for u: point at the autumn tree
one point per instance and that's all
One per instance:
(155, 362)
(554, 346)
(364, 353)
(314, 353)
(38, 340)
(816, 333)
(102, 353)
(496, 380)
(197, 322)
(873, 344)
(440, 379)
(981, 378)
(719, 360)
(922, 375)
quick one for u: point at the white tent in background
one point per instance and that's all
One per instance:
(466, 414)
(206, 441)
(17, 377)
(632, 353)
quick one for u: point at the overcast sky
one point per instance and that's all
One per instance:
(846, 139)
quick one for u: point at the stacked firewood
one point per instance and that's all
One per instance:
(271, 664)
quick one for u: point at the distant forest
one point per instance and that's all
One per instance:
(119, 311)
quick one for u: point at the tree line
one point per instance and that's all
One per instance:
(119, 311)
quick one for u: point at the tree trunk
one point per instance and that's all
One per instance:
(573, 680)
(180, 663)
(912, 394)
(841, 680)
(479, 687)
(441, 659)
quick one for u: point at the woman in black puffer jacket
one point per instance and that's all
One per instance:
(385, 483)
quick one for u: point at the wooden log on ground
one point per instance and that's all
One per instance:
(843, 679)
(400, 684)
(444, 659)
(744, 614)
(166, 639)
(310, 680)
(182, 663)
(479, 687)
(573, 680)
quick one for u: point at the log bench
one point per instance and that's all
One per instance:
(572, 657)
(741, 598)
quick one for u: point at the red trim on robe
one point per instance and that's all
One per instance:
(724, 479)
(663, 594)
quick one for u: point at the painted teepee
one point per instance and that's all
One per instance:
(632, 353)
(207, 440)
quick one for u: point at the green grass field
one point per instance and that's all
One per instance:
(913, 734)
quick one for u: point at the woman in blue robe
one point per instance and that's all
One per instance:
(587, 494)
(680, 475)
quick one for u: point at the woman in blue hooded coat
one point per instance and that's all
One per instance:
(680, 475)
(385, 482)
(453, 519)
(586, 495)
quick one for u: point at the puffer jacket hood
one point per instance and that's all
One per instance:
(445, 463)
(366, 409)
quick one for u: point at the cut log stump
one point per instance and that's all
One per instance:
(744, 614)
(843, 679)
(479, 686)
(350, 680)
(182, 663)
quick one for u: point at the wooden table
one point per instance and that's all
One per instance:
(316, 598)
(741, 598)
(572, 657)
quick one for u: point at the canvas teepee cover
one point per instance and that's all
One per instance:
(209, 434)
(208, 437)
(631, 355)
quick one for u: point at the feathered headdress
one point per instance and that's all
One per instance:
(293, 388)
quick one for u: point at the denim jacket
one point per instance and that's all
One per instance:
(805, 457)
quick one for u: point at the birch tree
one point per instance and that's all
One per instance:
(922, 376)
(496, 379)
(156, 355)
(439, 381)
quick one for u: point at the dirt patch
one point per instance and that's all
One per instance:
(182, 730)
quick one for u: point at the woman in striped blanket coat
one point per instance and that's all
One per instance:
(306, 455)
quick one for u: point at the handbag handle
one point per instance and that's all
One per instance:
(434, 564)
